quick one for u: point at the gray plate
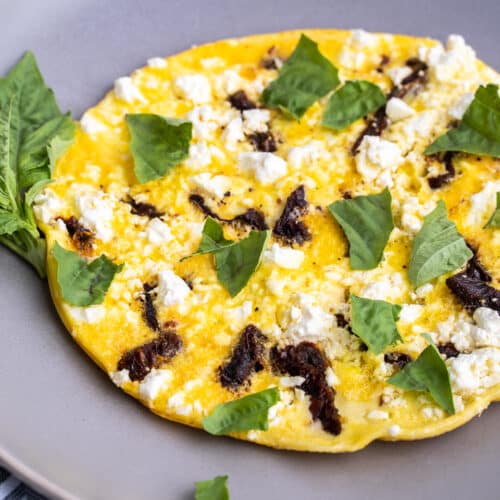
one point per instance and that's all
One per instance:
(63, 427)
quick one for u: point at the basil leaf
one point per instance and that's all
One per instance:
(212, 489)
(242, 414)
(367, 223)
(236, 263)
(495, 216)
(374, 322)
(212, 239)
(157, 144)
(83, 284)
(437, 249)
(355, 99)
(479, 129)
(427, 373)
(304, 77)
(32, 129)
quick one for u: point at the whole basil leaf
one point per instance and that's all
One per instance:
(157, 144)
(245, 414)
(212, 239)
(355, 99)
(32, 129)
(212, 489)
(437, 249)
(479, 129)
(304, 77)
(427, 373)
(374, 322)
(495, 216)
(83, 284)
(236, 263)
(367, 223)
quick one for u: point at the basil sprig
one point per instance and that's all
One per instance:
(235, 261)
(479, 129)
(437, 249)
(374, 322)
(33, 135)
(157, 144)
(352, 101)
(494, 220)
(304, 77)
(427, 373)
(245, 414)
(83, 284)
(367, 223)
(212, 489)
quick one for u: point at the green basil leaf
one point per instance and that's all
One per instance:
(245, 414)
(236, 263)
(304, 77)
(212, 489)
(374, 322)
(355, 99)
(495, 216)
(157, 144)
(427, 373)
(31, 130)
(212, 239)
(83, 284)
(479, 130)
(367, 223)
(437, 249)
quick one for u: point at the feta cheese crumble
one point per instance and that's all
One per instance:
(47, 206)
(91, 314)
(126, 89)
(119, 378)
(308, 153)
(96, 213)
(91, 125)
(256, 120)
(458, 110)
(171, 289)
(397, 109)
(214, 186)
(266, 167)
(154, 382)
(287, 258)
(483, 203)
(194, 87)
(158, 232)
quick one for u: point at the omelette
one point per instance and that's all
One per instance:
(289, 238)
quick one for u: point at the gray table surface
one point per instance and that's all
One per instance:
(63, 426)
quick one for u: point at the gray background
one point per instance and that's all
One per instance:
(60, 418)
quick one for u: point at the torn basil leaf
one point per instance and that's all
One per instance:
(33, 135)
(374, 322)
(427, 373)
(479, 129)
(367, 223)
(355, 99)
(304, 77)
(83, 283)
(437, 249)
(212, 489)
(245, 414)
(495, 216)
(157, 144)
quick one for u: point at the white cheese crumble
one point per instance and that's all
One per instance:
(91, 314)
(154, 382)
(398, 74)
(238, 315)
(46, 206)
(413, 212)
(96, 213)
(375, 156)
(91, 125)
(200, 155)
(388, 287)
(292, 381)
(410, 312)
(256, 120)
(432, 412)
(331, 378)
(287, 258)
(126, 89)
(458, 110)
(194, 87)
(483, 203)
(158, 232)
(157, 62)
(233, 133)
(214, 186)
(308, 153)
(206, 120)
(266, 167)
(394, 430)
(378, 415)
(397, 109)
(171, 289)
(445, 64)
(308, 321)
(119, 378)
(474, 372)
